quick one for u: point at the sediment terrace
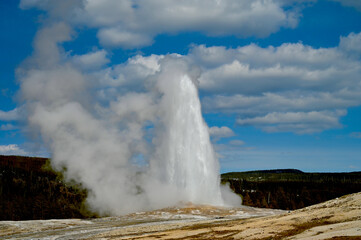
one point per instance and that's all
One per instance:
(336, 219)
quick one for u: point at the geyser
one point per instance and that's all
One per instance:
(184, 155)
(137, 143)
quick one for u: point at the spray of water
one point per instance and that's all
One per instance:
(133, 148)
(184, 156)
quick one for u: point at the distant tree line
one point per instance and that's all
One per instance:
(291, 189)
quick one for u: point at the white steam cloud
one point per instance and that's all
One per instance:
(134, 150)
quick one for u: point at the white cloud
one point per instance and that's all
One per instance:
(59, 10)
(351, 43)
(92, 60)
(11, 115)
(299, 122)
(113, 37)
(221, 132)
(280, 102)
(129, 22)
(253, 82)
(11, 149)
(135, 70)
(236, 142)
(128, 76)
(252, 69)
(290, 80)
(133, 23)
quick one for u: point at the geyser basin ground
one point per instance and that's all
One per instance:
(129, 225)
(335, 218)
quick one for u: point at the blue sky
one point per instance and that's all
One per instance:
(279, 85)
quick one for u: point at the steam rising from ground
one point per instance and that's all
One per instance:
(134, 150)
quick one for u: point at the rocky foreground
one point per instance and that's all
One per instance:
(336, 219)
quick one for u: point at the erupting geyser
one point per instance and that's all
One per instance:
(185, 158)
(136, 144)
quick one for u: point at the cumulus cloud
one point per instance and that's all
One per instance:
(236, 142)
(132, 73)
(92, 60)
(11, 115)
(351, 44)
(11, 149)
(299, 122)
(114, 37)
(133, 23)
(291, 81)
(256, 83)
(220, 132)
(278, 102)
(252, 69)
(57, 10)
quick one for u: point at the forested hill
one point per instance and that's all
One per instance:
(290, 188)
(22, 162)
(30, 189)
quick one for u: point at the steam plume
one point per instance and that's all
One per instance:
(134, 150)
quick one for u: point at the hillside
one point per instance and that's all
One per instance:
(30, 189)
